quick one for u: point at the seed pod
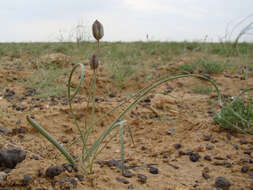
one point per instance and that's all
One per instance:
(94, 62)
(97, 30)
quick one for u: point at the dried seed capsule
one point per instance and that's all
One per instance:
(94, 62)
(97, 30)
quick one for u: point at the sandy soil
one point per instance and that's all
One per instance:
(171, 127)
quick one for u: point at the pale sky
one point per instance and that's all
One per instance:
(123, 20)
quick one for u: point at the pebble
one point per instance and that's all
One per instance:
(80, 177)
(112, 95)
(153, 170)
(4, 130)
(222, 182)
(53, 171)
(208, 158)
(142, 178)
(9, 158)
(205, 175)
(177, 146)
(209, 147)
(127, 174)
(171, 131)
(121, 180)
(27, 179)
(244, 169)
(194, 157)
(131, 187)
(68, 167)
(207, 137)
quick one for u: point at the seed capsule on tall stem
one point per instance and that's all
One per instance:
(94, 62)
(97, 30)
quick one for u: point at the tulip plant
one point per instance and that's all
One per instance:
(89, 154)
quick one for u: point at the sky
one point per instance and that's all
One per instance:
(123, 20)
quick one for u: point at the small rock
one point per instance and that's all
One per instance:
(112, 95)
(9, 158)
(207, 137)
(223, 183)
(236, 147)
(127, 174)
(194, 157)
(53, 171)
(153, 170)
(244, 169)
(208, 158)
(131, 187)
(121, 180)
(27, 179)
(171, 131)
(4, 130)
(142, 178)
(177, 146)
(80, 177)
(68, 167)
(209, 147)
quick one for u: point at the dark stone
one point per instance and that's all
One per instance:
(80, 177)
(171, 131)
(142, 178)
(4, 130)
(177, 146)
(40, 173)
(27, 179)
(9, 158)
(194, 157)
(208, 158)
(228, 164)
(121, 180)
(53, 171)
(127, 173)
(205, 175)
(9, 93)
(207, 137)
(68, 167)
(236, 147)
(4, 188)
(153, 170)
(222, 182)
(244, 169)
(112, 95)
(147, 100)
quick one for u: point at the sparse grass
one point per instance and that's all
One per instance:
(204, 65)
(210, 66)
(46, 81)
(236, 116)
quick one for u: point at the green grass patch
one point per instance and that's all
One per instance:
(46, 81)
(236, 116)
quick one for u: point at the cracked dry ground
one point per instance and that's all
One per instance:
(176, 144)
